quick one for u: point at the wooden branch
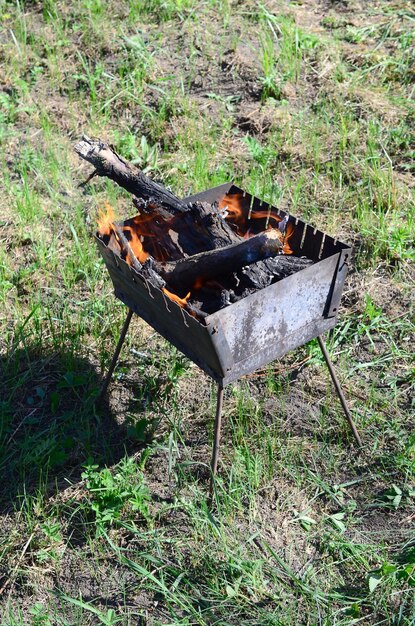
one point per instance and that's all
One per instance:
(188, 228)
(124, 244)
(185, 274)
(110, 164)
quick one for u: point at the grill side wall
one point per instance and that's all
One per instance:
(168, 318)
(269, 323)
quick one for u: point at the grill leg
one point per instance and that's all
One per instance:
(339, 390)
(115, 357)
(216, 440)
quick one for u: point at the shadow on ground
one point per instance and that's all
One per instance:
(49, 425)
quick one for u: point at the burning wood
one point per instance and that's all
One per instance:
(196, 227)
(202, 256)
(196, 270)
(126, 248)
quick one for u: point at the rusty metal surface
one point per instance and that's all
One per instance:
(258, 329)
(168, 318)
(279, 318)
(337, 285)
(210, 195)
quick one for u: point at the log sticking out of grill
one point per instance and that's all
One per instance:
(197, 226)
(193, 251)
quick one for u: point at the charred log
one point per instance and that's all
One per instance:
(186, 274)
(188, 228)
(268, 271)
(251, 278)
(110, 164)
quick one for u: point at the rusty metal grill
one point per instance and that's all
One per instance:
(252, 332)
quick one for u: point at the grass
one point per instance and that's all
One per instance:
(104, 513)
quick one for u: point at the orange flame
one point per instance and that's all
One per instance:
(152, 234)
(237, 213)
(106, 218)
(270, 215)
(289, 230)
(136, 244)
(180, 301)
(234, 205)
(237, 207)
